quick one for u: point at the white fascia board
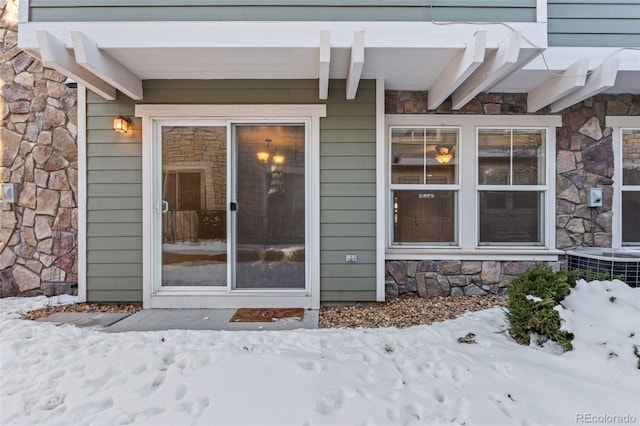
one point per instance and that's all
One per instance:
(105, 67)
(23, 11)
(541, 11)
(558, 86)
(131, 35)
(55, 55)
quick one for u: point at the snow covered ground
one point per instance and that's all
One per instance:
(62, 375)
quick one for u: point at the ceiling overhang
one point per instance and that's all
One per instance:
(449, 60)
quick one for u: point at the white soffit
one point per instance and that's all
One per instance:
(407, 55)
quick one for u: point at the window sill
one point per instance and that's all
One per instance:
(484, 253)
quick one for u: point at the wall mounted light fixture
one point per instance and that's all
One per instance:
(121, 124)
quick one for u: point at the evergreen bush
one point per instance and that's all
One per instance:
(535, 314)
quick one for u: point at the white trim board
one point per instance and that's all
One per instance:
(154, 297)
(82, 193)
(381, 199)
(618, 123)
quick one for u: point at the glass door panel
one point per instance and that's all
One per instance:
(194, 201)
(270, 217)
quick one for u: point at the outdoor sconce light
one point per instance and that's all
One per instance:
(121, 124)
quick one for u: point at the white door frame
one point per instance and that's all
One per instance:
(199, 297)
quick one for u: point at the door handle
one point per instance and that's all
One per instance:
(233, 206)
(165, 206)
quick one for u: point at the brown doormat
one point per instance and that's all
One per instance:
(266, 314)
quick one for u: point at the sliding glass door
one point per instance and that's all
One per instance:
(270, 220)
(194, 206)
(232, 210)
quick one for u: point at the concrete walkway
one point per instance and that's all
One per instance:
(176, 319)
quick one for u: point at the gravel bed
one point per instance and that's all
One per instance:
(124, 308)
(405, 311)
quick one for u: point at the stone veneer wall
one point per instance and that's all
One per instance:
(584, 159)
(38, 235)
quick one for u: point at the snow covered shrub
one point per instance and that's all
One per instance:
(532, 296)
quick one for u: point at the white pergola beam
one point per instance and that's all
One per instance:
(497, 65)
(600, 79)
(458, 70)
(558, 86)
(325, 63)
(356, 63)
(105, 67)
(55, 55)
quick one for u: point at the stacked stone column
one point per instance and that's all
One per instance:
(38, 234)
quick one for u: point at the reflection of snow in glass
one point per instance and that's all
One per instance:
(193, 267)
(279, 274)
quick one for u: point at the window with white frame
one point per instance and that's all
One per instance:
(471, 183)
(424, 185)
(511, 186)
(630, 188)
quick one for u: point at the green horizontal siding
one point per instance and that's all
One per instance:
(107, 204)
(355, 296)
(283, 10)
(347, 181)
(348, 216)
(108, 296)
(355, 176)
(122, 283)
(118, 256)
(594, 23)
(125, 176)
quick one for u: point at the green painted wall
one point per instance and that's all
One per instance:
(283, 10)
(596, 23)
(347, 176)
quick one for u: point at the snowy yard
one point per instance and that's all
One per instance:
(422, 375)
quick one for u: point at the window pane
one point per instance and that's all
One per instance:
(424, 216)
(194, 220)
(407, 156)
(508, 217)
(169, 190)
(630, 222)
(494, 157)
(442, 161)
(189, 193)
(631, 157)
(528, 157)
